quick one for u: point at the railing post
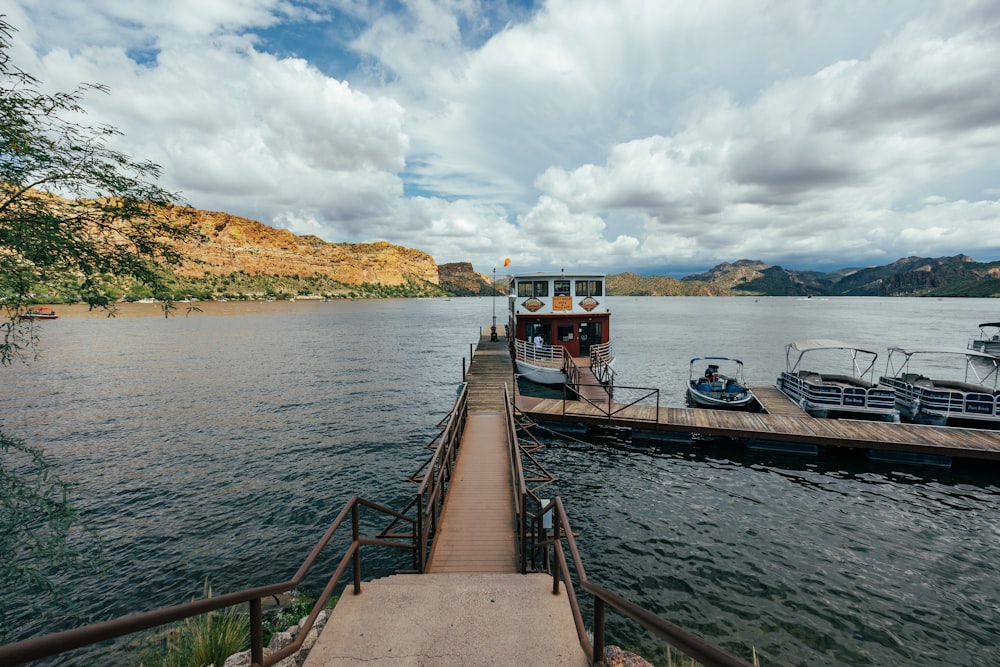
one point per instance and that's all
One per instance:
(598, 631)
(356, 536)
(556, 526)
(256, 632)
(418, 540)
(524, 533)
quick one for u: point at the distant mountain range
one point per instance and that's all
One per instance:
(958, 276)
(238, 257)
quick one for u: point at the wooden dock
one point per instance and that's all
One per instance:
(788, 423)
(477, 522)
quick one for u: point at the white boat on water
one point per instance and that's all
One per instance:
(923, 398)
(989, 339)
(721, 386)
(557, 319)
(853, 394)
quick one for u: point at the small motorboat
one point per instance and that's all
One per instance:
(39, 313)
(719, 389)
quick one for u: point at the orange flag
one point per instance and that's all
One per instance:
(506, 261)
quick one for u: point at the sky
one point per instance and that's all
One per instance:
(660, 137)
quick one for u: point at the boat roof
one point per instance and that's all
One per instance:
(716, 359)
(942, 350)
(557, 274)
(825, 344)
(990, 324)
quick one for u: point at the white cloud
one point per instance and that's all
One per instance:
(612, 135)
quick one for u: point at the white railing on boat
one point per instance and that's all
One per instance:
(545, 356)
(848, 393)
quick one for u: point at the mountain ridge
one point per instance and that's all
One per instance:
(244, 258)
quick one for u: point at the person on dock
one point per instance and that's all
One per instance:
(539, 341)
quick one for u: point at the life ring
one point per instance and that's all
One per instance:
(583, 338)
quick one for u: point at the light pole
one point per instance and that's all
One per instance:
(493, 329)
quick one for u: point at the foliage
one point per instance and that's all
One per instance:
(241, 285)
(211, 638)
(295, 609)
(38, 526)
(203, 640)
(109, 229)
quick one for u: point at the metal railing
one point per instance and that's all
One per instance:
(68, 640)
(610, 408)
(548, 356)
(433, 478)
(601, 358)
(690, 644)
(533, 542)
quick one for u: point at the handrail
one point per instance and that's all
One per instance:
(692, 645)
(550, 356)
(520, 486)
(613, 408)
(67, 640)
(601, 357)
(433, 485)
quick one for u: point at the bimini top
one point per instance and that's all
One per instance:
(908, 352)
(825, 344)
(989, 324)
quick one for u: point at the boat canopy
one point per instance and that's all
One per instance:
(717, 359)
(994, 362)
(909, 352)
(813, 344)
(989, 324)
(801, 346)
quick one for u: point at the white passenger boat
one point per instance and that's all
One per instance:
(989, 339)
(853, 394)
(972, 401)
(556, 319)
(721, 386)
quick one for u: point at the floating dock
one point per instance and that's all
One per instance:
(783, 422)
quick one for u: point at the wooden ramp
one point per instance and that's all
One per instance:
(476, 533)
(590, 388)
(775, 402)
(490, 368)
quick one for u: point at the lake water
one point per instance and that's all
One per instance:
(220, 445)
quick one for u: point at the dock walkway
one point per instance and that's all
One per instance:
(787, 424)
(472, 607)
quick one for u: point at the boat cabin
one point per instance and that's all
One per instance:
(568, 310)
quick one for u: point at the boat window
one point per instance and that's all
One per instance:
(560, 288)
(589, 287)
(533, 288)
(564, 332)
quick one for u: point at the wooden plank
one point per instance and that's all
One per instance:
(790, 425)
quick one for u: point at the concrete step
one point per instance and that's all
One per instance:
(450, 620)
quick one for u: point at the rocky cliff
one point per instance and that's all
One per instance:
(460, 279)
(233, 244)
